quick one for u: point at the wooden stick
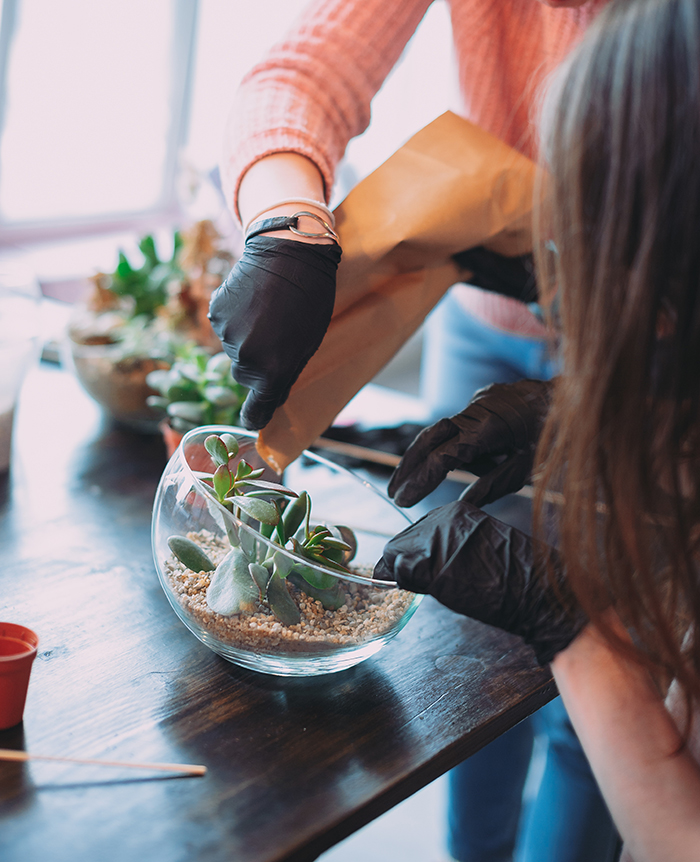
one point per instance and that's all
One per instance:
(190, 769)
(388, 459)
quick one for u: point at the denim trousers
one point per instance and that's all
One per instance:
(565, 819)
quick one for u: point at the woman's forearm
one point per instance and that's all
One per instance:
(630, 740)
(280, 177)
(276, 177)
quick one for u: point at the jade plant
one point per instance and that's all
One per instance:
(253, 571)
(197, 389)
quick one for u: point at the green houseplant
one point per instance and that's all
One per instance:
(252, 571)
(260, 575)
(197, 389)
(136, 319)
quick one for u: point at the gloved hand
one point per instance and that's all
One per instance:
(482, 568)
(271, 314)
(509, 276)
(494, 437)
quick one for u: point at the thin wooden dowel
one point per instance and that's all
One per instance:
(388, 459)
(188, 768)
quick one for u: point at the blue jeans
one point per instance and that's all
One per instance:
(461, 354)
(566, 820)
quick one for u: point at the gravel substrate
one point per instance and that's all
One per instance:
(367, 612)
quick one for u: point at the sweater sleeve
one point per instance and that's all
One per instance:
(312, 92)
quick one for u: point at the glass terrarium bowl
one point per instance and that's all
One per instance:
(341, 618)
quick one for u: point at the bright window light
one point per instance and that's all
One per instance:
(88, 108)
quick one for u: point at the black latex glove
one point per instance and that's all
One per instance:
(509, 276)
(494, 437)
(271, 314)
(482, 568)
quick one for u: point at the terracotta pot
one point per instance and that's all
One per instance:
(171, 437)
(18, 646)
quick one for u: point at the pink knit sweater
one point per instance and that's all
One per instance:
(312, 93)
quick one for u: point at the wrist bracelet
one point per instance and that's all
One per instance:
(308, 201)
(292, 223)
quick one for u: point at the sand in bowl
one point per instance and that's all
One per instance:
(368, 611)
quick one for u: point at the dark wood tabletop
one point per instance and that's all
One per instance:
(294, 765)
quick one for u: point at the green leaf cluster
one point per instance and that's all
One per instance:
(147, 285)
(197, 389)
(282, 516)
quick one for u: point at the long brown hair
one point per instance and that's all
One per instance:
(620, 239)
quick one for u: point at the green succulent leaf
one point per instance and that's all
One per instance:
(147, 247)
(232, 589)
(216, 447)
(200, 357)
(331, 542)
(124, 269)
(267, 530)
(190, 554)
(313, 541)
(222, 481)
(187, 410)
(263, 494)
(243, 469)
(281, 603)
(293, 517)
(220, 396)
(261, 576)
(219, 365)
(282, 564)
(157, 401)
(319, 580)
(158, 379)
(182, 390)
(270, 486)
(327, 561)
(261, 510)
(247, 540)
(334, 555)
(231, 444)
(346, 535)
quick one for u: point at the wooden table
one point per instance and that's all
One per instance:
(295, 765)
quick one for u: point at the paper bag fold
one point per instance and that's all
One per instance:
(451, 187)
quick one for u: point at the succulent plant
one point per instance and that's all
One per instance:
(151, 307)
(255, 571)
(147, 285)
(197, 389)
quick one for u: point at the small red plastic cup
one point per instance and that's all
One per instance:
(18, 646)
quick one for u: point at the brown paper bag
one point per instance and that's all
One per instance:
(451, 187)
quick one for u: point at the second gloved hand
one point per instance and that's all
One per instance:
(482, 568)
(494, 437)
(271, 314)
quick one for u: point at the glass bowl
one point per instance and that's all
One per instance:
(342, 617)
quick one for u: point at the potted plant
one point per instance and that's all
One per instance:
(197, 389)
(263, 576)
(136, 318)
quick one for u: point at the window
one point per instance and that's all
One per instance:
(95, 115)
(93, 103)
